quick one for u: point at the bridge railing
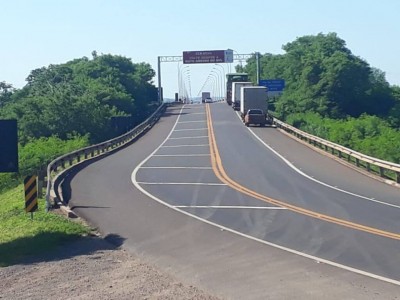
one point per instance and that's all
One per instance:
(66, 161)
(384, 169)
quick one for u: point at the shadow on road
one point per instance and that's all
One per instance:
(54, 246)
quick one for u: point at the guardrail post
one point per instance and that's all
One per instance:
(398, 177)
(381, 171)
(368, 167)
(340, 154)
(357, 162)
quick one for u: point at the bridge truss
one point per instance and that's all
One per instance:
(166, 59)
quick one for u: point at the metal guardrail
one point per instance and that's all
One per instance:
(97, 150)
(384, 169)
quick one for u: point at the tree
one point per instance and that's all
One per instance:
(323, 76)
(6, 91)
(81, 96)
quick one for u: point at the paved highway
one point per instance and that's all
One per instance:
(257, 183)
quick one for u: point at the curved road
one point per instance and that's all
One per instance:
(264, 191)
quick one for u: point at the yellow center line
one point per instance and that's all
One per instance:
(219, 171)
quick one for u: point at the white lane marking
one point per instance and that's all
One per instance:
(200, 168)
(189, 129)
(189, 137)
(177, 146)
(313, 179)
(182, 122)
(183, 155)
(311, 257)
(179, 183)
(230, 206)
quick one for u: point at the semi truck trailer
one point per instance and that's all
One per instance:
(254, 105)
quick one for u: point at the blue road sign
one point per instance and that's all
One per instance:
(273, 85)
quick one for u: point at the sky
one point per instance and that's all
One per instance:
(37, 33)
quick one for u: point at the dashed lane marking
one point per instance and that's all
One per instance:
(220, 172)
(189, 137)
(230, 206)
(179, 183)
(183, 122)
(311, 257)
(190, 129)
(200, 168)
(177, 155)
(177, 146)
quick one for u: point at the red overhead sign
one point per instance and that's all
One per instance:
(207, 57)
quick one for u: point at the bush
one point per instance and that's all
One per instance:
(370, 135)
(36, 154)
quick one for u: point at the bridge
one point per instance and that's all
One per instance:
(243, 212)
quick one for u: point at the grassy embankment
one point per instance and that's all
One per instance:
(21, 237)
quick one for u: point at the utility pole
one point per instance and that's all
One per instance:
(258, 66)
(160, 98)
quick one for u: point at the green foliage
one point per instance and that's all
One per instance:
(394, 113)
(324, 77)
(367, 134)
(6, 90)
(37, 153)
(80, 97)
(334, 94)
(20, 236)
(68, 106)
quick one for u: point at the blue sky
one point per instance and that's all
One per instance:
(42, 32)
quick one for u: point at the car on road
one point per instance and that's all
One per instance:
(208, 100)
(255, 116)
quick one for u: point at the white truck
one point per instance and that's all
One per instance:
(254, 105)
(204, 96)
(236, 93)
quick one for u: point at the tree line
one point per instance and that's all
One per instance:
(334, 94)
(67, 106)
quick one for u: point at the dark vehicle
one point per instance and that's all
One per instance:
(234, 77)
(255, 116)
(205, 95)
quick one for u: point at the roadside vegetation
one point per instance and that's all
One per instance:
(334, 94)
(330, 92)
(21, 237)
(63, 108)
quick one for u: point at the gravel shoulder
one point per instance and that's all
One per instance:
(92, 268)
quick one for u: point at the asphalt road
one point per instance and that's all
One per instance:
(206, 163)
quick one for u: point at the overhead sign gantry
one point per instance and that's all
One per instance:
(203, 57)
(208, 57)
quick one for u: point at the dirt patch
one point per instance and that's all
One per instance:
(91, 268)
